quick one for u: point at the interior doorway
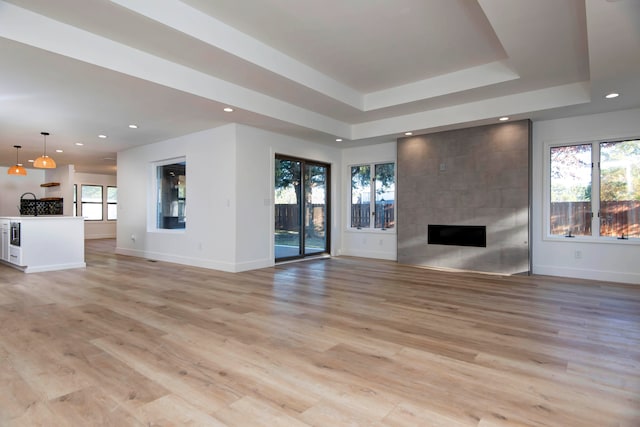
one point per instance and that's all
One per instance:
(301, 208)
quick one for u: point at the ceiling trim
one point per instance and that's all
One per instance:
(194, 23)
(18, 24)
(190, 21)
(521, 103)
(470, 78)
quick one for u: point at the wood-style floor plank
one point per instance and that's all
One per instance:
(344, 341)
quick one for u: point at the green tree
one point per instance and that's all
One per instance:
(287, 173)
(361, 175)
(571, 173)
(620, 170)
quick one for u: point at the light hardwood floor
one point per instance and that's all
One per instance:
(129, 342)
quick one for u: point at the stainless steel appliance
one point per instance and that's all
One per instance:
(15, 233)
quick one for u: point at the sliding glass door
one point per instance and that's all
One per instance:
(301, 208)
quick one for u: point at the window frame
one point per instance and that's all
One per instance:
(101, 203)
(595, 236)
(372, 171)
(111, 203)
(152, 196)
(75, 200)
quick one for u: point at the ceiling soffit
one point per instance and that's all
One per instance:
(355, 70)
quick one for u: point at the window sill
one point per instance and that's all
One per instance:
(168, 230)
(371, 230)
(588, 239)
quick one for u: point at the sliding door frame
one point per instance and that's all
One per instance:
(304, 163)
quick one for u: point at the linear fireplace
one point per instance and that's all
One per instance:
(458, 235)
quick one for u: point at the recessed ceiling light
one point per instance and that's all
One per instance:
(503, 119)
(79, 144)
(59, 151)
(102, 136)
(338, 139)
(132, 126)
(612, 95)
(408, 133)
(228, 109)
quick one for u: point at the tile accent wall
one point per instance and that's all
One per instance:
(475, 176)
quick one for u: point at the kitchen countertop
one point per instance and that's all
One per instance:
(32, 217)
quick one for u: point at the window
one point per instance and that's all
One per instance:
(91, 200)
(75, 199)
(620, 189)
(171, 197)
(595, 190)
(112, 203)
(373, 183)
(571, 190)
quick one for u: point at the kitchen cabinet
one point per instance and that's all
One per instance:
(4, 239)
(15, 255)
(46, 243)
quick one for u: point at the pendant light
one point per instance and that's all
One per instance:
(17, 169)
(44, 161)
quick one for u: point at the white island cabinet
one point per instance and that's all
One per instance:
(4, 239)
(45, 243)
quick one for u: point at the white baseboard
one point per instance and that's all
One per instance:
(99, 236)
(580, 273)
(254, 265)
(369, 254)
(197, 262)
(54, 267)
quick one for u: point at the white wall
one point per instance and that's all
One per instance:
(92, 229)
(64, 176)
(229, 197)
(366, 243)
(13, 186)
(209, 237)
(255, 165)
(602, 261)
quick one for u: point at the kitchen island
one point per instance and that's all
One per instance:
(43, 243)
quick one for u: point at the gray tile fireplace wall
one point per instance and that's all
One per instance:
(478, 177)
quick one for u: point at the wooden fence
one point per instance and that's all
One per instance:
(384, 215)
(616, 218)
(287, 217)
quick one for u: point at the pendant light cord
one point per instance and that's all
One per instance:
(45, 142)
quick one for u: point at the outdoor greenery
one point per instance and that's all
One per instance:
(288, 173)
(571, 173)
(614, 167)
(384, 176)
(91, 193)
(296, 174)
(619, 172)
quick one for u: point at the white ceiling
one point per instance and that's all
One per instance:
(361, 70)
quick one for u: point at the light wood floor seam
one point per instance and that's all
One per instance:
(337, 342)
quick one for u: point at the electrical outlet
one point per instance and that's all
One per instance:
(578, 254)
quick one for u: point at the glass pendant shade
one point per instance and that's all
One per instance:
(44, 161)
(17, 169)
